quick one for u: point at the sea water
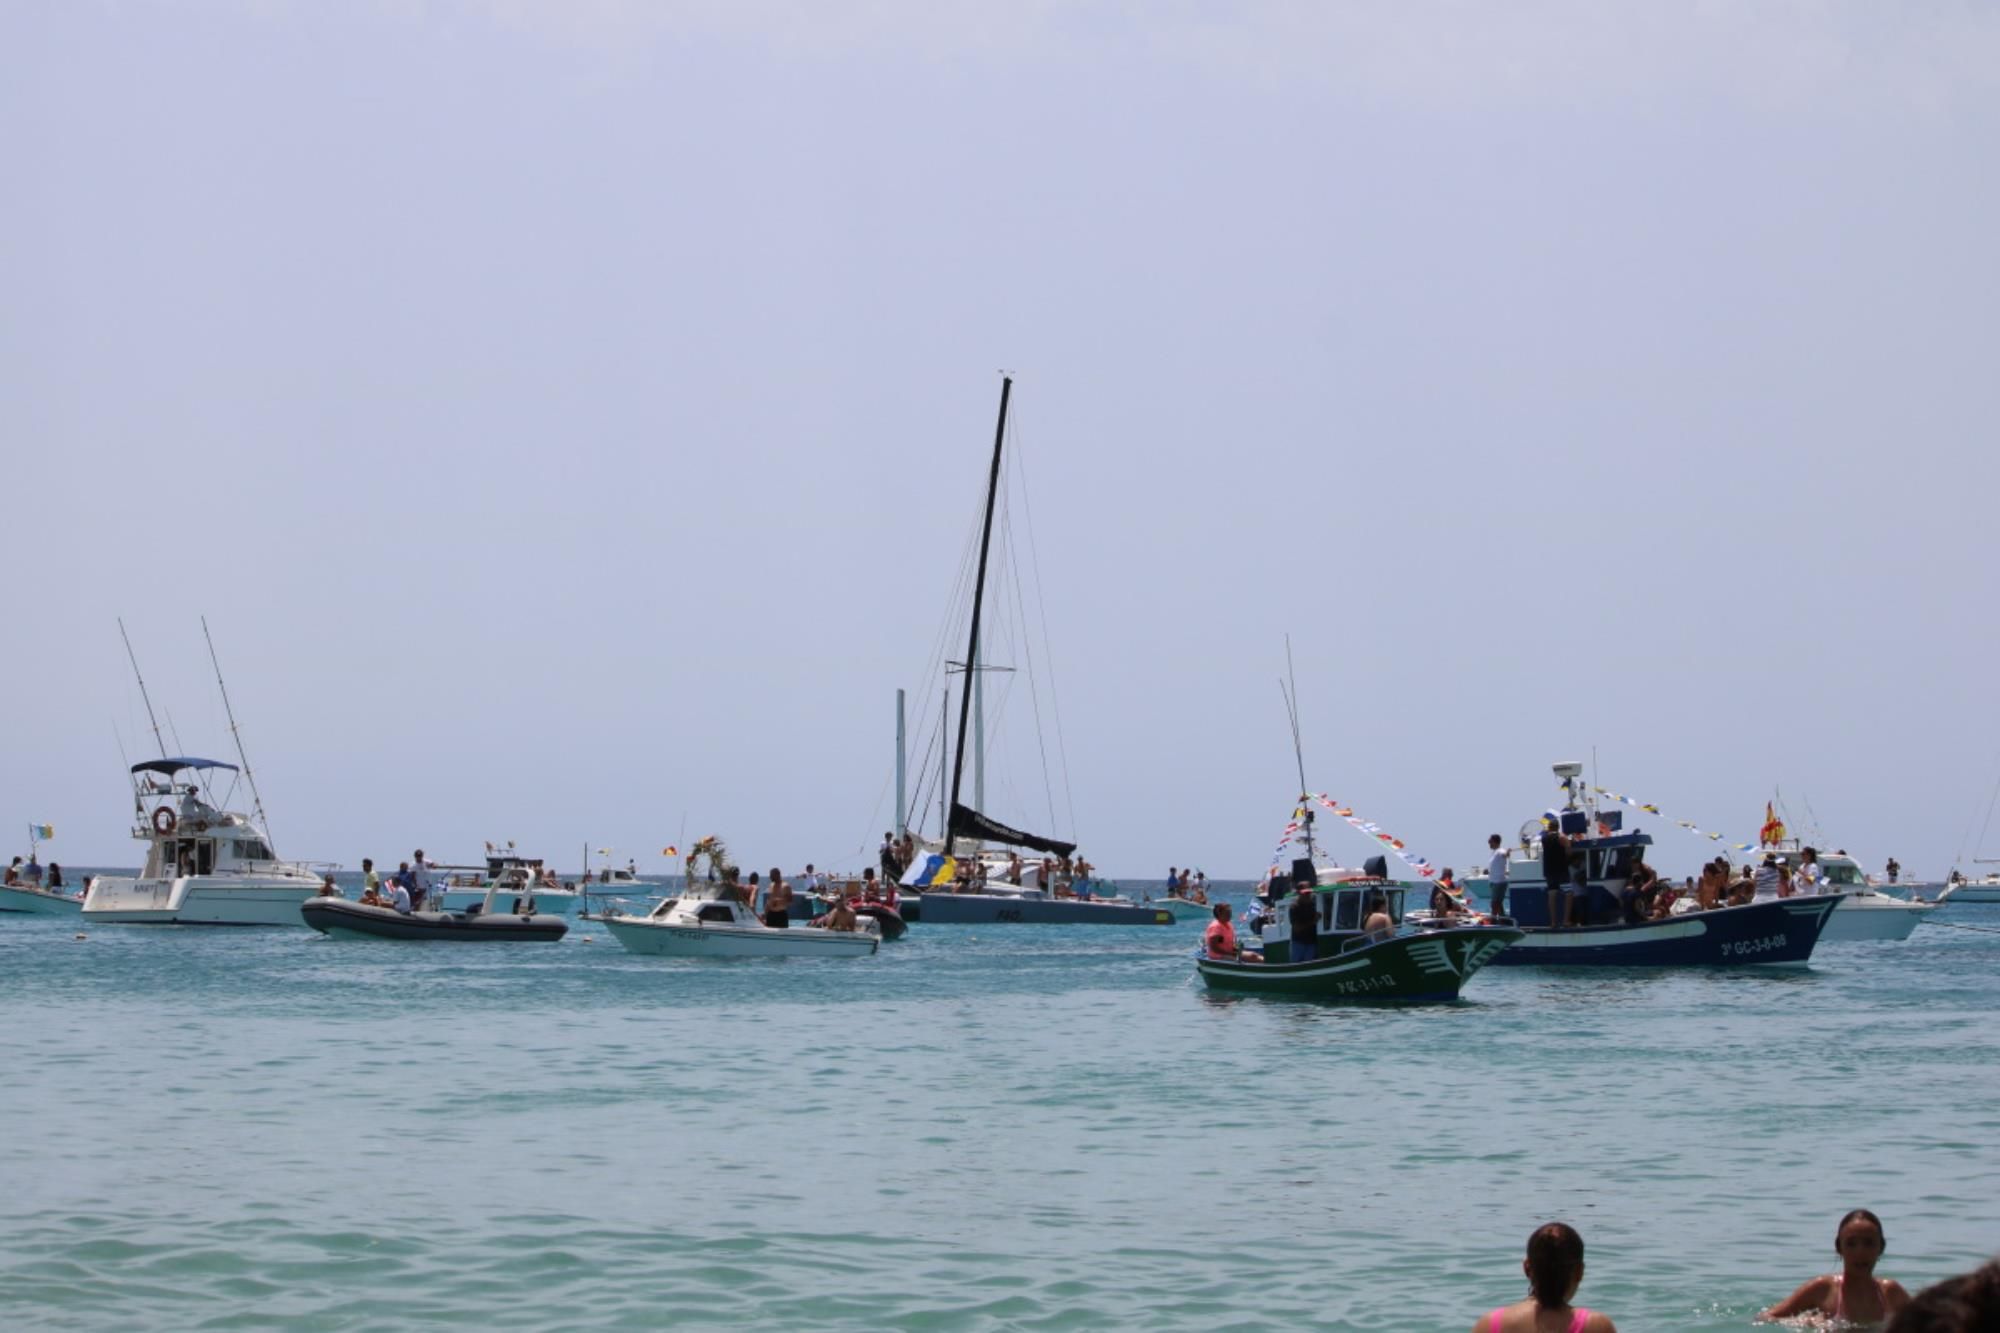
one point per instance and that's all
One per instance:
(1001, 1127)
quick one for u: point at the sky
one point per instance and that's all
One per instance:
(571, 418)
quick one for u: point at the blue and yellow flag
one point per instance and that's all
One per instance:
(935, 868)
(42, 832)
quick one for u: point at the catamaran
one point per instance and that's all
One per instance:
(959, 880)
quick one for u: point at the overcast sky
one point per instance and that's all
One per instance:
(571, 416)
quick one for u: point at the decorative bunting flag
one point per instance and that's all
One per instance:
(1424, 868)
(1687, 824)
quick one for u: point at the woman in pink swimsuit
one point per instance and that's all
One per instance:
(1555, 1269)
(1854, 1295)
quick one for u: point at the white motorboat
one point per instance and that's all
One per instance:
(1865, 913)
(1962, 890)
(710, 921)
(204, 865)
(464, 888)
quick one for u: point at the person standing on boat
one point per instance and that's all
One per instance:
(1808, 878)
(1767, 877)
(1893, 869)
(778, 902)
(887, 855)
(1496, 877)
(420, 881)
(1555, 869)
(1304, 916)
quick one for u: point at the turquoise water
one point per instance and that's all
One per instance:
(1026, 1127)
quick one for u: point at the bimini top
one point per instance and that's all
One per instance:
(172, 766)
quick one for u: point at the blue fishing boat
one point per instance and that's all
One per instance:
(1603, 857)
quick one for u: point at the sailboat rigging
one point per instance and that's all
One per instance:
(964, 821)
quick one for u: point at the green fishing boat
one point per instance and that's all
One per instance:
(1397, 961)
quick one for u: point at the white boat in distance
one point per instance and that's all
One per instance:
(709, 921)
(1962, 890)
(38, 901)
(204, 865)
(463, 888)
(1865, 913)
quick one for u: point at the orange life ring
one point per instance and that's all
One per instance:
(163, 821)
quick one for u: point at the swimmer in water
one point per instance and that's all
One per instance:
(1854, 1295)
(1555, 1270)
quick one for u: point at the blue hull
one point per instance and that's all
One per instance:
(1772, 932)
(975, 909)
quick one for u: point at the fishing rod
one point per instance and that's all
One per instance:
(263, 821)
(134, 658)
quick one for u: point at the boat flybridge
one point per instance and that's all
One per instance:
(205, 865)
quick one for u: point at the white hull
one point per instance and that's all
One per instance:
(1873, 917)
(641, 935)
(548, 902)
(201, 900)
(1184, 909)
(1971, 893)
(37, 902)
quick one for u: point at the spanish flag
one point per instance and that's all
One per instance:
(1774, 827)
(670, 851)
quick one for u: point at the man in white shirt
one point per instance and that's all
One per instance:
(399, 897)
(1496, 877)
(420, 880)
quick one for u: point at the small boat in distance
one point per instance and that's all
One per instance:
(35, 890)
(464, 888)
(1959, 889)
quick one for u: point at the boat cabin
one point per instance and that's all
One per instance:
(1602, 858)
(1346, 899)
(188, 834)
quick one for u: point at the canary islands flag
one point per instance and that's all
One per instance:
(41, 832)
(935, 868)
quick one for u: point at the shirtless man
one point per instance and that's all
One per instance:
(778, 902)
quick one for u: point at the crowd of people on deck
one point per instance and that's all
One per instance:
(778, 901)
(1854, 1297)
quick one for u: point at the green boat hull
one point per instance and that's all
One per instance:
(1423, 968)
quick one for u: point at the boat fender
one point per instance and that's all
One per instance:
(164, 821)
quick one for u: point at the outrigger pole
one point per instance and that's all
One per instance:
(263, 820)
(134, 658)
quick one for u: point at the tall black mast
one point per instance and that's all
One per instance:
(978, 596)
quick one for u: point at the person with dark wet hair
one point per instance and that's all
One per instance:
(1968, 1303)
(1554, 1267)
(1854, 1295)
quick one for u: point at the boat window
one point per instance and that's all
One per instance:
(1348, 915)
(204, 856)
(715, 912)
(1326, 911)
(1396, 906)
(251, 849)
(1849, 873)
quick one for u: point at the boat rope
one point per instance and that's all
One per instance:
(1983, 828)
(1953, 925)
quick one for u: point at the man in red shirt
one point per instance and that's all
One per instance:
(1219, 941)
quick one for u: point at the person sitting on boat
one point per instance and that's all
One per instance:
(1304, 917)
(396, 896)
(1743, 890)
(14, 871)
(1375, 922)
(327, 888)
(1854, 1295)
(1640, 894)
(840, 917)
(778, 902)
(55, 879)
(871, 890)
(1219, 940)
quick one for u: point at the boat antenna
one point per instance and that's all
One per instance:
(257, 801)
(142, 687)
(978, 596)
(1290, 689)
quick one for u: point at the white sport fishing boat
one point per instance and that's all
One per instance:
(710, 921)
(205, 865)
